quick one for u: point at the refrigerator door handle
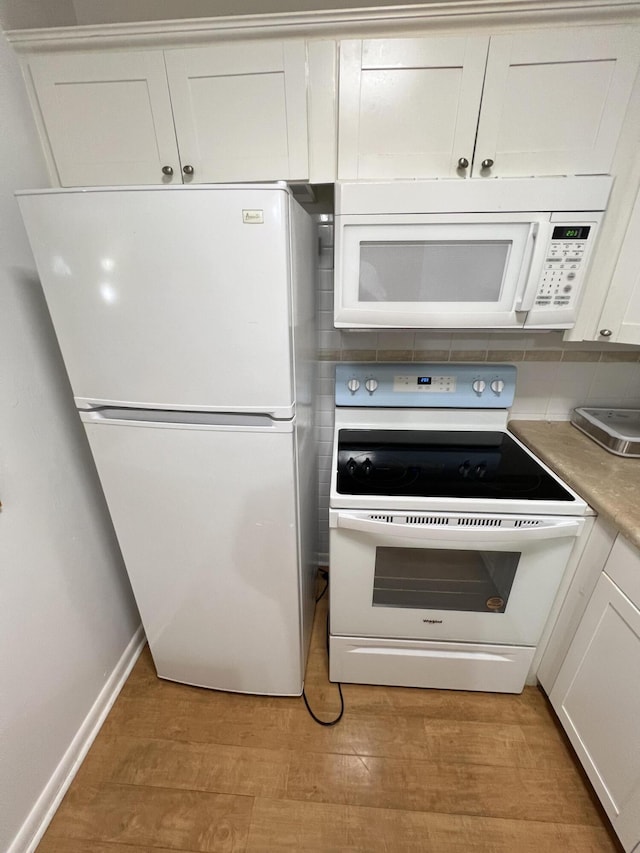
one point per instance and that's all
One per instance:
(172, 419)
(90, 404)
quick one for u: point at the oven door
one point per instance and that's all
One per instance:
(437, 270)
(469, 578)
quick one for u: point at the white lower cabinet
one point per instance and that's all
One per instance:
(591, 553)
(597, 692)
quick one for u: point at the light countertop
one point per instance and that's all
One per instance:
(609, 483)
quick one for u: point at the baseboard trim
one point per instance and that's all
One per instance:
(40, 816)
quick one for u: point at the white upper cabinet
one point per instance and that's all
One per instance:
(544, 102)
(547, 101)
(554, 101)
(240, 110)
(620, 318)
(107, 116)
(408, 107)
(224, 112)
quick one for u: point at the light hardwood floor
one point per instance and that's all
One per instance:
(177, 768)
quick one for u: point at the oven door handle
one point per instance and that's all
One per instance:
(554, 530)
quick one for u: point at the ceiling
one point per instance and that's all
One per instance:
(30, 14)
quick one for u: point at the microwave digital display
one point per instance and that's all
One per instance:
(571, 232)
(424, 380)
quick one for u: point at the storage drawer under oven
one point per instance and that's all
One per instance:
(424, 663)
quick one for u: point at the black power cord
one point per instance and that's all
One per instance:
(324, 574)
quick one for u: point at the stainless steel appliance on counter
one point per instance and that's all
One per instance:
(448, 537)
(617, 430)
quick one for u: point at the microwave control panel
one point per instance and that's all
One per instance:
(564, 266)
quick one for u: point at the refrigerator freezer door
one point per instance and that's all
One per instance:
(207, 522)
(169, 297)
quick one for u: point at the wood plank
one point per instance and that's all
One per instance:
(152, 817)
(466, 789)
(198, 721)
(320, 828)
(187, 766)
(415, 737)
(72, 845)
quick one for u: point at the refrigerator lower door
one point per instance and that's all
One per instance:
(206, 517)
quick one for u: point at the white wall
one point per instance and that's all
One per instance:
(27, 14)
(99, 12)
(66, 610)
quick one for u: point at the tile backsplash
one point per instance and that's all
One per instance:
(553, 376)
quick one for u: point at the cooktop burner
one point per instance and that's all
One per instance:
(435, 463)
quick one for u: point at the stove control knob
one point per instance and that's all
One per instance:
(371, 385)
(497, 386)
(352, 467)
(479, 385)
(353, 385)
(367, 467)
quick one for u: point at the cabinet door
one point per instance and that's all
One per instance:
(597, 697)
(408, 107)
(554, 101)
(621, 312)
(240, 110)
(107, 117)
(592, 550)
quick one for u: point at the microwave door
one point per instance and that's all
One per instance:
(533, 267)
(433, 275)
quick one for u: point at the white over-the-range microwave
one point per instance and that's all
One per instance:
(505, 253)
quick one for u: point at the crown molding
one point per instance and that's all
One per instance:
(336, 23)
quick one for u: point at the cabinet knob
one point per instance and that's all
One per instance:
(463, 163)
(605, 333)
(167, 170)
(487, 164)
(188, 170)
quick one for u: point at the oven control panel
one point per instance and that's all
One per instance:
(425, 385)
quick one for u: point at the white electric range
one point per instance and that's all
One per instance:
(448, 537)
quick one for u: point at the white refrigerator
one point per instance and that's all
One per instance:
(185, 317)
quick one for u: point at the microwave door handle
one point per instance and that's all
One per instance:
(528, 283)
(483, 535)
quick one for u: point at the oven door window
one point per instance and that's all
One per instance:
(441, 579)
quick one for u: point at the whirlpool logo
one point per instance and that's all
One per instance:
(433, 621)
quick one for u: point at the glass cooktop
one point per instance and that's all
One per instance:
(433, 463)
